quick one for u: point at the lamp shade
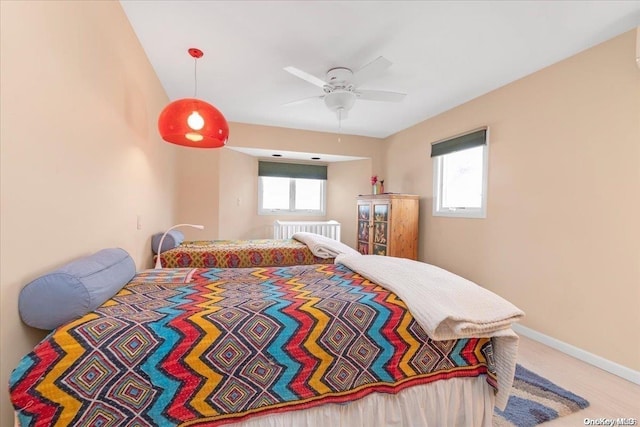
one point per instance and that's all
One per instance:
(340, 100)
(193, 123)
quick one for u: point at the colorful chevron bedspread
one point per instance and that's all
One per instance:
(197, 347)
(240, 253)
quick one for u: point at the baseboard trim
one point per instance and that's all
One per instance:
(590, 358)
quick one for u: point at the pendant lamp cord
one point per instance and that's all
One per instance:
(195, 77)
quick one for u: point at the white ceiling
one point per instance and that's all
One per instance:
(294, 155)
(444, 53)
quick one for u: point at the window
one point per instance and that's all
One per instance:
(288, 188)
(460, 176)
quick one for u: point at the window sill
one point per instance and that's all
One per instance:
(461, 213)
(291, 213)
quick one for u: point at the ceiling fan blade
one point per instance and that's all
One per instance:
(371, 70)
(306, 76)
(380, 95)
(302, 101)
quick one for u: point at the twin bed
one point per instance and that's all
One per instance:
(362, 340)
(240, 253)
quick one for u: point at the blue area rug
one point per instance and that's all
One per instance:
(534, 400)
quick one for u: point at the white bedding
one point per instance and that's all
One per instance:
(448, 306)
(322, 246)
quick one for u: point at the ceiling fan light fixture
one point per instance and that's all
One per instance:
(341, 87)
(340, 100)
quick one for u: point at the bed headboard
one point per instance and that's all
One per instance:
(286, 229)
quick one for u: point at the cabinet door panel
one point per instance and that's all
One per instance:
(363, 231)
(363, 248)
(364, 227)
(379, 250)
(380, 235)
(364, 212)
(381, 212)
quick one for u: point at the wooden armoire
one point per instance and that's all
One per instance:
(388, 225)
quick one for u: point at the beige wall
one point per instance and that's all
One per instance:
(239, 197)
(562, 235)
(346, 181)
(222, 190)
(80, 153)
(197, 189)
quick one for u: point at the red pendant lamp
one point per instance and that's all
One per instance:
(192, 122)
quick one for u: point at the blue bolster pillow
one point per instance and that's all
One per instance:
(171, 240)
(75, 289)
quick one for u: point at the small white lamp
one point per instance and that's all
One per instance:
(158, 261)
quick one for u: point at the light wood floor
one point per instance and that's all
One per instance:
(609, 395)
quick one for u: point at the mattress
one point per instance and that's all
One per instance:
(240, 253)
(185, 346)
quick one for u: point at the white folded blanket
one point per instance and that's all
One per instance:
(447, 306)
(322, 246)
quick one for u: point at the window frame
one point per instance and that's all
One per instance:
(438, 182)
(292, 210)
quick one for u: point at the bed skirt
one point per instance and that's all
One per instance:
(465, 402)
(453, 402)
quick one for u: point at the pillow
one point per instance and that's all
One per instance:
(171, 240)
(75, 289)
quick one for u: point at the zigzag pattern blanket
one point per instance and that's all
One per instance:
(209, 346)
(240, 254)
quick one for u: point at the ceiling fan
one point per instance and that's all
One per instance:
(341, 86)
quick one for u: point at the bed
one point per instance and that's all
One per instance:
(311, 345)
(240, 253)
